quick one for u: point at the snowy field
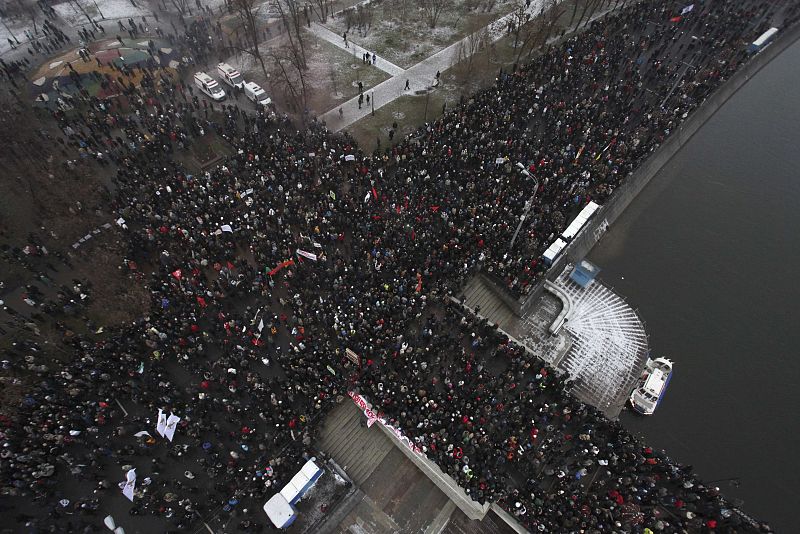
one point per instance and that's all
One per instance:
(111, 10)
(17, 27)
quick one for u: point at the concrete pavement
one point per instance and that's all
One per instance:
(357, 51)
(421, 76)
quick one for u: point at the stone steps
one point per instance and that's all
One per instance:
(479, 294)
(358, 450)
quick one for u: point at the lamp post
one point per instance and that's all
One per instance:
(528, 204)
(688, 66)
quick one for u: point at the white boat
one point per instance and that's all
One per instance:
(652, 385)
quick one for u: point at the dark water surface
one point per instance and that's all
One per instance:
(710, 256)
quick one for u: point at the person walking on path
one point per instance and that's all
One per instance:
(407, 87)
(374, 58)
(344, 36)
(360, 100)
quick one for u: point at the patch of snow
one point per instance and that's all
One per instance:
(111, 10)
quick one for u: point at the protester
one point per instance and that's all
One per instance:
(264, 270)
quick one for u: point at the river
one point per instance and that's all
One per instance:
(709, 254)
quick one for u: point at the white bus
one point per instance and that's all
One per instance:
(764, 40)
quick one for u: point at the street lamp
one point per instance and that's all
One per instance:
(528, 203)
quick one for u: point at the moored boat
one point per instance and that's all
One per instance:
(652, 385)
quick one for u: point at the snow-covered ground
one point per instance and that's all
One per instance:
(17, 28)
(111, 10)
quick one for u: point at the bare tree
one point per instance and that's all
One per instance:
(85, 14)
(364, 17)
(518, 21)
(321, 8)
(183, 6)
(589, 7)
(594, 6)
(574, 11)
(552, 12)
(469, 47)
(290, 15)
(247, 10)
(349, 18)
(433, 10)
(291, 76)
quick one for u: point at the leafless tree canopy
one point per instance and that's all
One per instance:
(290, 61)
(433, 10)
(247, 10)
(322, 8)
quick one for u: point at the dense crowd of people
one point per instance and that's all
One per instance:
(245, 337)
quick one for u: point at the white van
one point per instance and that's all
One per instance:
(230, 75)
(209, 86)
(256, 94)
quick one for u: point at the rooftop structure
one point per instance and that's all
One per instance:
(584, 273)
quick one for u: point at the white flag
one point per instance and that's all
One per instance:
(261, 325)
(129, 485)
(226, 228)
(172, 422)
(687, 9)
(162, 422)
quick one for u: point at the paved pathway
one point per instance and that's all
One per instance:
(421, 76)
(324, 33)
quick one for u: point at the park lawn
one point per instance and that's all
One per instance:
(333, 75)
(407, 42)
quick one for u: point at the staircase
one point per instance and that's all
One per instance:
(358, 450)
(479, 294)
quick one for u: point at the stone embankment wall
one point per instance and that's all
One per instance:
(633, 185)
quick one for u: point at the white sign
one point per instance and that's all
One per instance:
(129, 485)
(161, 426)
(309, 255)
(172, 422)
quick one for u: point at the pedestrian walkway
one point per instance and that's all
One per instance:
(358, 52)
(421, 76)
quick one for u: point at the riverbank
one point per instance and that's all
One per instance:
(707, 254)
(594, 230)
